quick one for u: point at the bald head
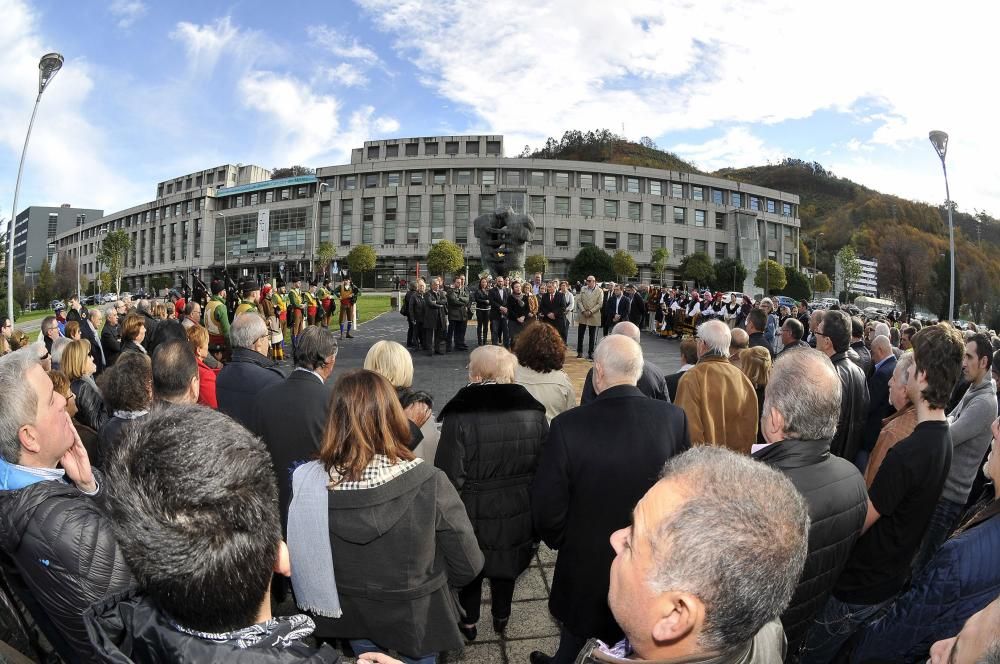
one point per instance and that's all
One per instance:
(881, 348)
(617, 361)
(740, 340)
(627, 329)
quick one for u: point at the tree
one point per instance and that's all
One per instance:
(624, 265)
(770, 276)
(325, 253)
(805, 255)
(940, 290)
(156, 284)
(850, 267)
(796, 285)
(903, 258)
(290, 172)
(591, 260)
(697, 267)
(659, 264)
(361, 259)
(66, 282)
(821, 283)
(112, 255)
(45, 284)
(535, 263)
(730, 274)
(445, 257)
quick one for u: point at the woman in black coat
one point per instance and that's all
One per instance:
(482, 299)
(491, 441)
(517, 311)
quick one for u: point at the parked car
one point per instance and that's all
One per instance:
(784, 301)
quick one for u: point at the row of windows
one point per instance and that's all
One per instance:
(128, 221)
(431, 148)
(267, 196)
(199, 180)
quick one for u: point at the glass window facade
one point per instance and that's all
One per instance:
(586, 207)
(699, 218)
(346, 221)
(437, 218)
(680, 215)
(610, 240)
(586, 238)
(412, 219)
(634, 210)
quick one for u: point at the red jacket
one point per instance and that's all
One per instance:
(206, 387)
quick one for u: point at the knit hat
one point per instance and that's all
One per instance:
(218, 286)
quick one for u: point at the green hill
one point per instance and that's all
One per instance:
(606, 147)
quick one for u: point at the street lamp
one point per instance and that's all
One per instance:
(939, 140)
(48, 67)
(816, 257)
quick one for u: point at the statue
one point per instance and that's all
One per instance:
(502, 238)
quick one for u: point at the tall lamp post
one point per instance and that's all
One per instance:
(939, 140)
(48, 66)
(816, 257)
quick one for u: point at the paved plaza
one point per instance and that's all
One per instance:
(531, 627)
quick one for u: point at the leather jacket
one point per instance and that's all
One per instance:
(90, 403)
(853, 407)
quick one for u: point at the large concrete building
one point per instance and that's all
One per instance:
(400, 196)
(37, 228)
(867, 281)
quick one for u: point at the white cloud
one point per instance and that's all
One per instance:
(737, 147)
(665, 66)
(206, 44)
(340, 45)
(127, 11)
(345, 74)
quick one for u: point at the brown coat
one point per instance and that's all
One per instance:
(720, 403)
(895, 428)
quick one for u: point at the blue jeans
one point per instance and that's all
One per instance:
(834, 626)
(364, 645)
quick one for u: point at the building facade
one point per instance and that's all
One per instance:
(36, 231)
(867, 282)
(400, 196)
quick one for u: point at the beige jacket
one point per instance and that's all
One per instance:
(589, 305)
(720, 403)
(553, 389)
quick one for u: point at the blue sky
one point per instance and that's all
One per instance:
(154, 90)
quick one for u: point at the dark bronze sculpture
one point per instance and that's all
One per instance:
(503, 236)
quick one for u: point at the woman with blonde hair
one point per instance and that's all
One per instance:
(160, 311)
(133, 334)
(756, 365)
(394, 363)
(377, 537)
(78, 365)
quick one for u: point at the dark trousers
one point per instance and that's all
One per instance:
(456, 334)
(570, 646)
(482, 330)
(418, 335)
(591, 330)
(562, 324)
(433, 336)
(412, 336)
(470, 598)
(499, 332)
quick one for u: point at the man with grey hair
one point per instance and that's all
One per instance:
(144, 307)
(883, 366)
(740, 340)
(707, 565)
(111, 335)
(815, 319)
(801, 407)
(652, 382)
(90, 329)
(834, 339)
(718, 398)
(59, 552)
(249, 371)
(595, 466)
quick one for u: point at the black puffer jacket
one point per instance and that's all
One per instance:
(62, 556)
(490, 445)
(90, 403)
(238, 383)
(853, 407)
(129, 628)
(838, 502)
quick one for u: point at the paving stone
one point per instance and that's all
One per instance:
(518, 652)
(476, 653)
(546, 556)
(531, 585)
(531, 619)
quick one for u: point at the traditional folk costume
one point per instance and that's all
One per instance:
(348, 296)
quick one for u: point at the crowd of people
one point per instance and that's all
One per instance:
(810, 486)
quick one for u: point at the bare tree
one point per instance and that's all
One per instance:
(904, 264)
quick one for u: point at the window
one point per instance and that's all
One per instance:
(610, 208)
(390, 203)
(253, 199)
(562, 237)
(411, 150)
(772, 231)
(463, 177)
(492, 147)
(301, 192)
(437, 217)
(676, 190)
(680, 247)
(789, 260)
(737, 199)
(562, 179)
(440, 177)
(610, 183)
(657, 242)
(698, 193)
(720, 221)
(771, 206)
(754, 203)
(373, 151)
(586, 181)
(786, 232)
(392, 179)
(657, 213)
(430, 149)
(717, 196)
(513, 178)
(286, 194)
(451, 147)
(634, 210)
(416, 177)
(656, 187)
(679, 215)
(269, 196)
(562, 205)
(210, 178)
(632, 185)
(170, 188)
(346, 221)
(488, 177)
(198, 181)
(461, 218)
(610, 240)
(412, 219)
(772, 255)
(173, 243)
(324, 221)
(699, 218)
(350, 182)
(586, 207)
(586, 238)
(472, 147)
(635, 242)
(367, 209)
(389, 229)
(391, 151)
(537, 205)
(487, 203)
(786, 209)
(700, 247)
(537, 178)
(371, 180)
(721, 250)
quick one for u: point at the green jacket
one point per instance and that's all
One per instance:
(217, 317)
(295, 299)
(458, 304)
(245, 306)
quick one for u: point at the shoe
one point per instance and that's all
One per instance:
(437, 352)
(500, 624)
(470, 633)
(350, 336)
(590, 357)
(538, 657)
(579, 356)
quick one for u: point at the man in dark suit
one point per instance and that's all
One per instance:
(884, 363)
(689, 358)
(111, 336)
(290, 416)
(652, 383)
(634, 306)
(552, 306)
(598, 460)
(90, 329)
(499, 333)
(611, 308)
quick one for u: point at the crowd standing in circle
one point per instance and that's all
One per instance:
(811, 486)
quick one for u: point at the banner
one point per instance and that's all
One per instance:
(263, 229)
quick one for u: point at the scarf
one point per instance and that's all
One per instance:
(309, 542)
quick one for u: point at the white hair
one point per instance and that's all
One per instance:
(882, 343)
(880, 330)
(620, 358)
(716, 335)
(627, 329)
(247, 329)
